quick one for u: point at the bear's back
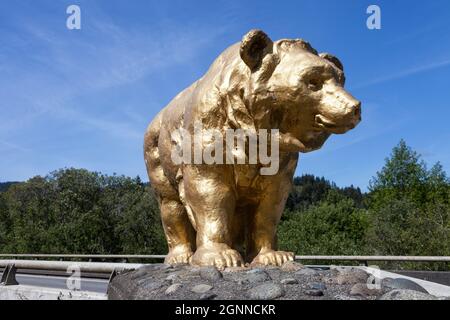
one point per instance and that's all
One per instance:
(193, 97)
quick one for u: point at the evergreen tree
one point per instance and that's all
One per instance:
(403, 175)
(333, 226)
(409, 207)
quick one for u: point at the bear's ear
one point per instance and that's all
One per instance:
(254, 46)
(333, 60)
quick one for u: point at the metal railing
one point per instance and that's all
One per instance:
(84, 256)
(65, 266)
(128, 257)
(378, 258)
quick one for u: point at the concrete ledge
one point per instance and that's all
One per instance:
(22, 292)
(433, 288)
(102, 267)
(441, 277)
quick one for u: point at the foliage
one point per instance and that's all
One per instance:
(308, 190)
(5, 185)
(400, 228)
(333, 226)
(77, 211)
(410, 206)
(406, 212)
(405, 176)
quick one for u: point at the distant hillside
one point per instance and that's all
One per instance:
(5, 185)
(310, 190)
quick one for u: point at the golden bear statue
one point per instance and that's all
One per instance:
(224, 213)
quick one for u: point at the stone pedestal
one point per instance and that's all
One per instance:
(292, 281)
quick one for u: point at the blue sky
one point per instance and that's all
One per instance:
(83, 98)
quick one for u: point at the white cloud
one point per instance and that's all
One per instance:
(6, 146)
(404, 73)
(65, 66)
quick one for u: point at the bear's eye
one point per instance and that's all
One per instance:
(315, 84)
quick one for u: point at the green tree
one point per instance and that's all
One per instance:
(403, 176)
(82, 226)
(77, 211)
(309, 190)
(409, 207)
(333, 226)
(140, 229)
(31, 215)
(438, 185)
(5, 222)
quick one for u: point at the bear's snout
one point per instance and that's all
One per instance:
(355, 112)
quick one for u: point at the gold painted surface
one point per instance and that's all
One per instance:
(227, 214)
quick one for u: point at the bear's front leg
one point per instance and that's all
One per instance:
(211, 195)
(261, 238)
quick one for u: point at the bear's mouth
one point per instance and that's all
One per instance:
(330, 126)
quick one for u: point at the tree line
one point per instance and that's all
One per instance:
(77, 211)
(406, 211)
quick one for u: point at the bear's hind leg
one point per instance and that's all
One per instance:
(178, 230)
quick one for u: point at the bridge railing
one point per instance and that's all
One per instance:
(83, 256)
(104, 266)
(297, 257)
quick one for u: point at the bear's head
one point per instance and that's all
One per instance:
(290, 87)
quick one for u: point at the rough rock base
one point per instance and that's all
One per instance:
(292, 282)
